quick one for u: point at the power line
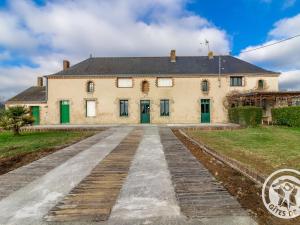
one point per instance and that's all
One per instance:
(275, 43)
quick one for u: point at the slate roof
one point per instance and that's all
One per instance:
(155, 66)
(32, 94)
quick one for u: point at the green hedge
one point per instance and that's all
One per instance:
(245, 115)
(287, 116)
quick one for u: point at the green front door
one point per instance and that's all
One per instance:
(205, 111)
(145, 111)
(35, 113)
(64, 112)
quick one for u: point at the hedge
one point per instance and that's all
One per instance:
(287, 116)
(245, 115)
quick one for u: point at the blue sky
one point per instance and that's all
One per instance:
(36, 35)
(246, 21)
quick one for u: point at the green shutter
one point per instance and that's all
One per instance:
(35, 112)
(64, 112)
(205, 111)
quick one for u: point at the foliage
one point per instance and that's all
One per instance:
(288, 116)
(14, 118)
(245, 115)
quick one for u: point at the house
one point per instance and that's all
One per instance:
(132, 90)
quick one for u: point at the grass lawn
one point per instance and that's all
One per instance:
(263, 148)
(36, 141)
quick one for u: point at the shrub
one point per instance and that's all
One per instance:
(287, 116)
(245, 115)
(14, 118)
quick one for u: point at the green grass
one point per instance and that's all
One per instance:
(263, 148)
(36, 141)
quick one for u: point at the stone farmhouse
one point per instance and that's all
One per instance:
(132, 90)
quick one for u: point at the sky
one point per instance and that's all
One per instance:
(36, 35)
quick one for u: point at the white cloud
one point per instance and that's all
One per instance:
(290, 80)
(73, 29)
(280, 57)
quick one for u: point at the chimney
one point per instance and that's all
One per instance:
(40, 82)
(66, 64)
(210, 55)
(173, 56)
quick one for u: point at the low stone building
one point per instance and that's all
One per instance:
(132, 90)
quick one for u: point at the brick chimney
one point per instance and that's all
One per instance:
(40, 82)
(173, 56)
(66, 64)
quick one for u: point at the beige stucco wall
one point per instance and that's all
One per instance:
(43, 110)
(184, 98)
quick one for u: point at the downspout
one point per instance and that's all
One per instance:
(219, 78)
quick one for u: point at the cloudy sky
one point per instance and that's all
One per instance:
(36, 35)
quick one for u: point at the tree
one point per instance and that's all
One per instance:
(1, 103)
(14, 118)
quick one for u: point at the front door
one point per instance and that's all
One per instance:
(35, 113)
(205, 111)
(64, 112)
(145, 111)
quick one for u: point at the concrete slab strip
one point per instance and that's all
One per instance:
(93, 199)
(29, 204)
(18, 178)
(148, 193)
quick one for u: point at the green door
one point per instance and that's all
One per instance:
(64, 112)
(35, 113)
(205, 111)
(145, 111)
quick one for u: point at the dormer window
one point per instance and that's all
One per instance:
(90, 87)
(204, 86)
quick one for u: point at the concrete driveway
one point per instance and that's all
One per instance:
(123, 175)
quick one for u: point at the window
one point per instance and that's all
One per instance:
(125, 82)
(164, 82)
(204, 86)
(90, 86)
(261, 84)
(90, 108)
(145, 87)
(164, 107)
(123, 107)
(236, 81)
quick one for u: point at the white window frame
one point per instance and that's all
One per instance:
(124, 82)
(91, 108)
(164, 82)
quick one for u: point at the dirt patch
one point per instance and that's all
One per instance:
(10, 163)
(246, 191)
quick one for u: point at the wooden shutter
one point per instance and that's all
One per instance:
(90, 108)
(164, 82)
(125, 82)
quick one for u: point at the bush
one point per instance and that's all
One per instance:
(287, 116)
(245, 115)
(14, 118)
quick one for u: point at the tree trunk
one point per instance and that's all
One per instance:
(16, 130)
